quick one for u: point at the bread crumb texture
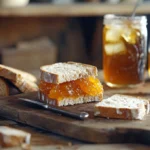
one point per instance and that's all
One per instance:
(64, 72)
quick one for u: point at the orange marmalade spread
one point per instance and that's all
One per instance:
(90, 86)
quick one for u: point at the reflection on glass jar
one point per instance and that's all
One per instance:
(124, 50)
(149, 59)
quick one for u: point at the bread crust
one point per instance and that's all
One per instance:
(26, 86)
(69, 101)
(56, 78)
(4, 89)
(120, 113)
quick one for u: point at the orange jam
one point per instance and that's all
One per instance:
(81, 87)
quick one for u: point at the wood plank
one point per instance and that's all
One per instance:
(94, 129)
(89, 147)
(78, 9)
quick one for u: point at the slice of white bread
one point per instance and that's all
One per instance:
(23, 80)
(64, 72)
(122, 107)
(13, 74)
(10, 137)
(4, 89)
(69, 101)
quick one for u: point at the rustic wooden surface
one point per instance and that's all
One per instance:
(95, 130)
(48, 141)
(40, 137)
(89, 147)
(79, 9)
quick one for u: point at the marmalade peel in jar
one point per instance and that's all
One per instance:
(124, 50)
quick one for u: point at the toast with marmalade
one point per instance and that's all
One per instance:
(69, 83)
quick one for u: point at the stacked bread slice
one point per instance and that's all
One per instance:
(69, 83)
(24, 81)
(122, 107)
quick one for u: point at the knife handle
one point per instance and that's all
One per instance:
(80, 116)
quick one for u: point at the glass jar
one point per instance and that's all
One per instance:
(124, 50)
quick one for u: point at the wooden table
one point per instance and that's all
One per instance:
(49, 141)
(43, 140)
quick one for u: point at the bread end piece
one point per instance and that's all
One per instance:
(65, 72)
(10, 137)
(119, 112)
(69, 101)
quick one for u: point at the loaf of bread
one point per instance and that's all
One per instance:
(10, 137)
(24, 81)
(122, 107)
(69, 83)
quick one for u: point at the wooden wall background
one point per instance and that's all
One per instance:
(77, 39)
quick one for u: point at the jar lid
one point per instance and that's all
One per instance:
(116, 19)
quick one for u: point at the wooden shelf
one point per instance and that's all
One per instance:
(73, 10)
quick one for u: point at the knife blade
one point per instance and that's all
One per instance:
(80, 115)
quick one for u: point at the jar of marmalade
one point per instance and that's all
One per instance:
(124, 50)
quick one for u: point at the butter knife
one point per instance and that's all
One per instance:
(80, 115)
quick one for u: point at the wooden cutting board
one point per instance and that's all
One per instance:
(93, 129)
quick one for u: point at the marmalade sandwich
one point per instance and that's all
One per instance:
(69, 83)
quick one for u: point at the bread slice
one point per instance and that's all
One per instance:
(65, 72)
(122, 107)
(4, 90)
(13, 74)
(23, 80)
(69, 101)
(10, 137)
